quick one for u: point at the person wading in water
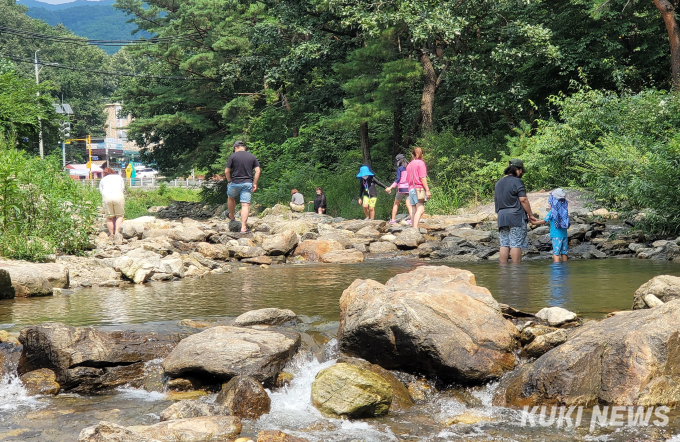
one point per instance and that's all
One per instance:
(513, 209)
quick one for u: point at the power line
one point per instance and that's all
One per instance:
(95, 71)
(85, 41)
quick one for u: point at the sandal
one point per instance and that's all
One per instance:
(393, 221)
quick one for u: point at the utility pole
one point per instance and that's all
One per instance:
(37, 82)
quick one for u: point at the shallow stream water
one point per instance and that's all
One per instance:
(591, 288)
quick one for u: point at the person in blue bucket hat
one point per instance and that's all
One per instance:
(367, 194)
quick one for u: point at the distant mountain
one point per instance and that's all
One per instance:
(97, 20)
(51, 7)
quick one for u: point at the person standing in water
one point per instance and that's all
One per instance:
(513, 209)
(242, 173)
(401, 183)
(367, 194)
(418, 188)
(558, 217)
(319, 202)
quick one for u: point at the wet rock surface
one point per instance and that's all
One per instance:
(220, 353)
(188, 408)
(628, 359)
(265, 316)
(244, 397)
(348, 390)
(195, 429)
(432, 320)
(85, 359)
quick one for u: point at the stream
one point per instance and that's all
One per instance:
(589, 287)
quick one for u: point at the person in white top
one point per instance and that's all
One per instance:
(113, 199)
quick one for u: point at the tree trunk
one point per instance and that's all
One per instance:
(396, 130)
(365, 145)
(412, 131)
(668, 14)
(429, 89)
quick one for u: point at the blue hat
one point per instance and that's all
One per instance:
(365, 171)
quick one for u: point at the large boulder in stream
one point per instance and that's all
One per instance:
(265, 316)
(6, 289)
(85, 359)
(195, 429)
(632, 358)
(348, 390)
(432, 320)
(244, 397)
(220, 353)
(27, 281)
(663, 287)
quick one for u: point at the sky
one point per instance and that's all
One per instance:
(58, 2)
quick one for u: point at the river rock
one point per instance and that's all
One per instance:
(241, 252)
(344, 237)
(409, 239)
(188, 408)
(109, 432)
(56, 274)
(311, 250)
(664, 287)
(28, 281)
(343, 256)
(277, 436)
(265, 316)
(556, 316)
(6, 288)
(244, 397)
(631, 358)
(347, 390)
(432, 320)
(223, 352)
(368, 232)
(39, 382)
(382, 247)
(358, 224)
(531, 331)
(299, 227)
(401, 398)
(473, 235)
(85, 359)
(139, 265)
(280, 244)
(544, 343)
(188, 233)
(213, 251)
(134, 228)
(195, 429)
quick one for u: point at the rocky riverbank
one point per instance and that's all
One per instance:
(429, 330)
(156, 249)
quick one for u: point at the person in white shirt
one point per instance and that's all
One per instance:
(113, 199)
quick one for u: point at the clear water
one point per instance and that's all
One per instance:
(592, 288)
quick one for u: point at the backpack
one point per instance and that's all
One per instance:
(560, 212)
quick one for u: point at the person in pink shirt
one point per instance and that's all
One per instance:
(401, 184)
(418, 189)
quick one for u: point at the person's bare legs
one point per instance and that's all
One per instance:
(111, 225)
(504, 254)
(420, 209)
(409, 207)
(366, 212)
(117, 222)
(516, 255)
(556, 258)
(395, 209)
(564, 258)
(245, 211)
(371, 212)
(231, 205)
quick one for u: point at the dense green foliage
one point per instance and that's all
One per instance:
(42, 210)
(138, 201)
(86, 92)
(93, 21)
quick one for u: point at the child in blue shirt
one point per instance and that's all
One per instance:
(558, 217)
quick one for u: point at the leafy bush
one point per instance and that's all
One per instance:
(138, 201)
(42, 211)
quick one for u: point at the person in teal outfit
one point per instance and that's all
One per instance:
(558, 233)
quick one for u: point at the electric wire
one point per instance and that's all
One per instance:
(93, 42)
(96, 71)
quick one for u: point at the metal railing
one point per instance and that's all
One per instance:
(151, 183)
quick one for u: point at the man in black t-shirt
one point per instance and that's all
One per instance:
(242, 172)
